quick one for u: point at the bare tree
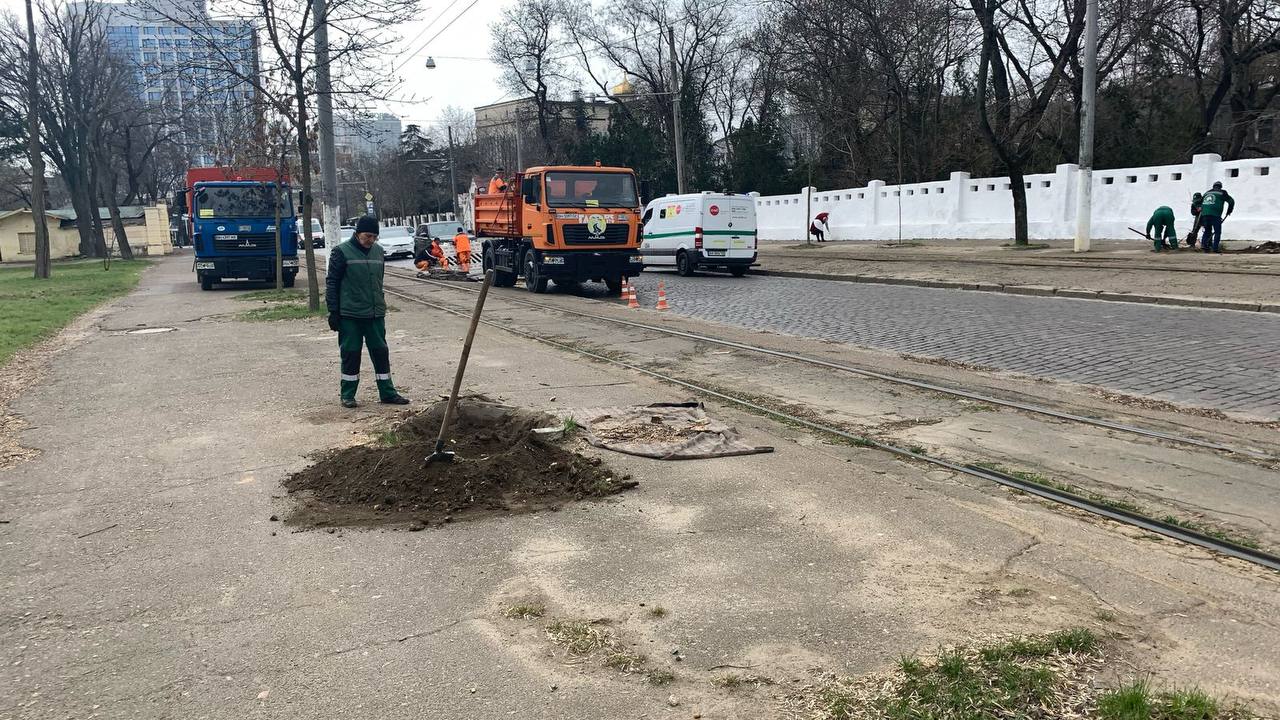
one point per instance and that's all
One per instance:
(1020, 70)
(526, 43)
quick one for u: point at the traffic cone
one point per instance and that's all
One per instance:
(624, 294)
(662, 296)
(632, 301)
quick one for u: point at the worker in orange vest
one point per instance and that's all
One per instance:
(497, 184)
(438, 253)
(462, 244)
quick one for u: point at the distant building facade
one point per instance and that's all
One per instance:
(179, 67)
(508, 131)
(366, 134)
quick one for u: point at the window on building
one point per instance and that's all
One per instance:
(26, 243)
(148, 56)
(148, 43)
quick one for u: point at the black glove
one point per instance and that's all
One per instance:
(334, 322)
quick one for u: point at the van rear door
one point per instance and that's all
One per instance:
(717, 231)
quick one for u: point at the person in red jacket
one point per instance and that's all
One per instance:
(819, 226)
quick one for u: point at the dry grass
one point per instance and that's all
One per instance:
(525, 611)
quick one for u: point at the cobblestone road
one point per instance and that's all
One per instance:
(1219, 359)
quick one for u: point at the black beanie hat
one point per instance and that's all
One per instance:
(368, 224)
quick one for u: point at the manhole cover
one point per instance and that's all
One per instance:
(150, 331)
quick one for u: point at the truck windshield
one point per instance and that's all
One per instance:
(240, 201)
(591, 189)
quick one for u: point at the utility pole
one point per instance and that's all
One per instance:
(43, 265)
(1084, 193)
(324, 117)
(453, 181)
(675, 109)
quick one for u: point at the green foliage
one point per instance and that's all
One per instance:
(36, 309)
(758, 160)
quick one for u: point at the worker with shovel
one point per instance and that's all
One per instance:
(1162, 222)
(1211, 217)
(358, 309)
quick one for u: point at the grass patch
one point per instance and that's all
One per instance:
(580, 637)
(728, 681)
(525, 611)
(657, 612)
(1212, 532)
(282, 311)
(1033, 676)
(569, 427)
(389, 438)
(1020, 592)
(1138, 701)
(1105, 616)
(660, 677)
(37, 309)
(918, 450)
(625, 661)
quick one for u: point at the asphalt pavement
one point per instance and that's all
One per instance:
(1217, 359)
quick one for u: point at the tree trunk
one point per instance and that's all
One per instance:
(279, 249)
(83, 205)
(117, 224)
(304, 163)
(1018, 186)
(99, 237)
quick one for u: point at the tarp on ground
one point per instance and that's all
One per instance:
(665, 431)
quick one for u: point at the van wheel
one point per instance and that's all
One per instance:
(533, 280)
(206, 282)
(738, 270)
(684, 266)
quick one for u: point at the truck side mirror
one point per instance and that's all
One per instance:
(302, 200)
(180, 202)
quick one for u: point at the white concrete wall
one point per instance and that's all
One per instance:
(982, 208)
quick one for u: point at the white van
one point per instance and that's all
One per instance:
(700, 230)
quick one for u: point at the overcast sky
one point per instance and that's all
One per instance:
(463, 82)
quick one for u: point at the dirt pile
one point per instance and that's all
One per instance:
(501, 467)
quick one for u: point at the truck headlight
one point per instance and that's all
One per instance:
(553, 259)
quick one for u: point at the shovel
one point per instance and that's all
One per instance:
(442, 455)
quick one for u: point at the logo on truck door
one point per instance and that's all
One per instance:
(596, 225)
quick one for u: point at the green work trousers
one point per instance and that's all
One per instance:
(1164, 234)
(354, 332)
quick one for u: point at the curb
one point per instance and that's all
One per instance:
(1036, 290)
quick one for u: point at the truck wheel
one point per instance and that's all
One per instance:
(684, 265)
(614, 285)
(533, 280)
(206, 282)
(738, 270)
(288, 280)
(501, 278)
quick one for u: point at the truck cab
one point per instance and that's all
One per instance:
(233, 229)
(567, 224)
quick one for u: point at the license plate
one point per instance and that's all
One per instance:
(204, 266)
(226, 237)
(715, 253)
(289, 262)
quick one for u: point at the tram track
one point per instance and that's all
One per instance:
(1095, 506)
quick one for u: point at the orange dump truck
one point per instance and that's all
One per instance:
(569, 224)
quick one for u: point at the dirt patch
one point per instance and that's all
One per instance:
(501, 467)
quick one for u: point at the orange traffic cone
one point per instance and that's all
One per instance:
(624, 294)
(662, 296)
(632, 301)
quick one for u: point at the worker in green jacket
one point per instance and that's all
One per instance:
(1162, 222)
(1212, 215)
(358, 310)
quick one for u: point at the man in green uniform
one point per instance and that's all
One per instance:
(1162, 221)
(1211, 217)
(358, 309)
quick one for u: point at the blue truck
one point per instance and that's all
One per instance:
(232, 225)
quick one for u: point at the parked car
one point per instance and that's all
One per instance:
(443, 231)
(317, 233)
(396, 242)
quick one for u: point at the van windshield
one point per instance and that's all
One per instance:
(591, 189)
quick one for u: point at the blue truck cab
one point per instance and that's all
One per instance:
(233, 231)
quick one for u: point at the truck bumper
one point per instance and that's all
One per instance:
(260, 268)
(724, 261)
(584, 265)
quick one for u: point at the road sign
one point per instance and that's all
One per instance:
(368, 196)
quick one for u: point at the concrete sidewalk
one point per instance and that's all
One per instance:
(144, 579)
(1112, 270)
